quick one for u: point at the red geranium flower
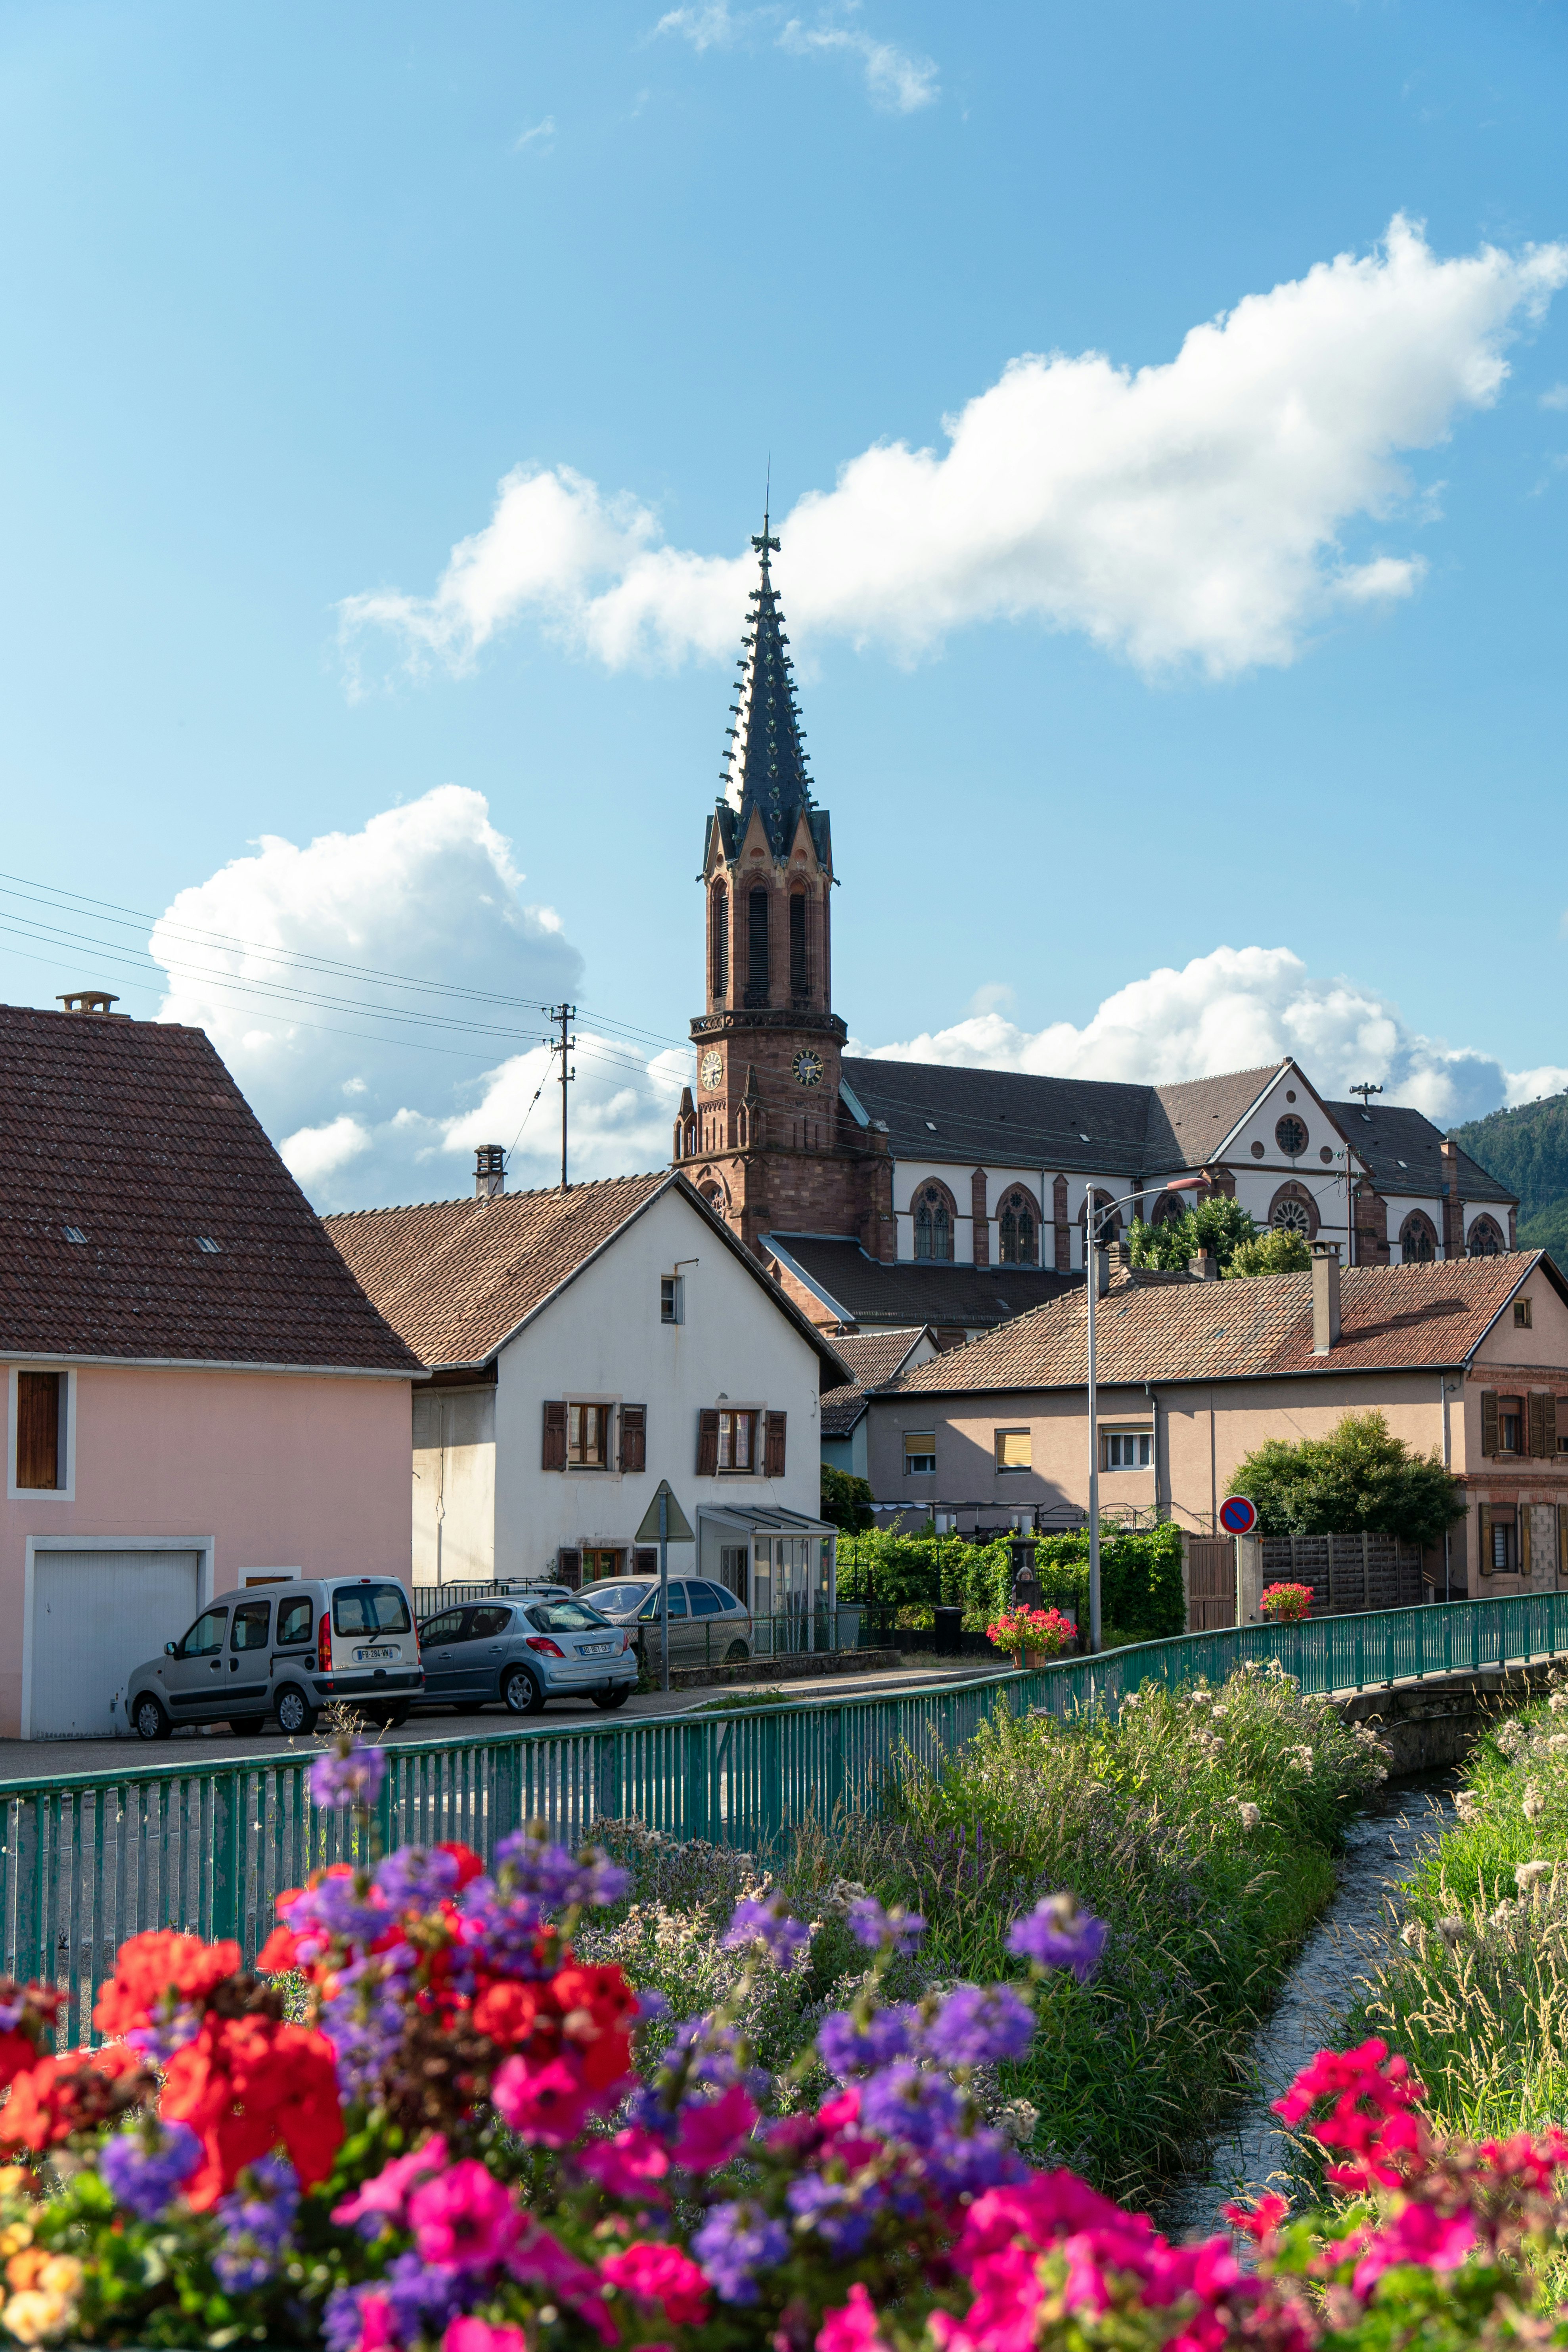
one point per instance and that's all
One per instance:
(247, 2083)
(151, 1967)
(49, 2101)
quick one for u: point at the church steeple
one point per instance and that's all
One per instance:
(765, 768)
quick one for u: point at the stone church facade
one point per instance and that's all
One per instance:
(887, 1193)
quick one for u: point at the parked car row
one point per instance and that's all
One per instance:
(281, 1653)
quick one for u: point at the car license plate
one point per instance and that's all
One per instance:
(375, 1657)
(595, 1649)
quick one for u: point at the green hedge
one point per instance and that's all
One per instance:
(1140, 1574)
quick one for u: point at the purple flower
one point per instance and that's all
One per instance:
(365, 2015)
(557, 1879)
(159, 2041)
(970, 2161)
(258, 2217)
(846, 2048)
(1057, 1935)
(348, 1777)
(651, 2004)
(770, 1924)
(734, 2242)
(336, 1911)
(422, 2301)
(905, 2102)
(416, 1878)
(839, 2221)
(979, 2026)
(502, 1930)
(144, 2168)
(897, 1930)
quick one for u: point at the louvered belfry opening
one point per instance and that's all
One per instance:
(799, 975)
(718, 915)
(757, 947)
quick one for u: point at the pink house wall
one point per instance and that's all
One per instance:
(299, 1470)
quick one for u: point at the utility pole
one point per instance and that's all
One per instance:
(565, 1014)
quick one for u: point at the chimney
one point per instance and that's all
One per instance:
(489, 1173)
(1120, 1255)
(1325, 1296)
(1200, 1265)
(90, 1000)
(1101, 1271)
(1453, 1207)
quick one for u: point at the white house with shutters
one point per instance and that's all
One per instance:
(581, 1345)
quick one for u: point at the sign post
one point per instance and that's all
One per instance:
(665, 1520)
(1238, 1518)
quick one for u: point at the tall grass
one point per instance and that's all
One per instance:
(1474, 1988)
(1200, 1826)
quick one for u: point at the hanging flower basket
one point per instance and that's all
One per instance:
(1286, 1604)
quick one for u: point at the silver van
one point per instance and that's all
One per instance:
(284, 1649)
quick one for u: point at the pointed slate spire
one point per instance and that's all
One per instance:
(765, 768)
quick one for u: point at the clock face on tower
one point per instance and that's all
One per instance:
(712, 1071)
(807, 1068)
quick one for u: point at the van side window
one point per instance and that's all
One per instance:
(205, 1635)
(293, 1623)
(250, 1625)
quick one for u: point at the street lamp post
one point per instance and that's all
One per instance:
(1093, 1213)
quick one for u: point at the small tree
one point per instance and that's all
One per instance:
(846, 1501)
(1218, 1224)
(1276, 1251)
(1360, 1476)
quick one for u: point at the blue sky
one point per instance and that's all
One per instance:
(289, 295)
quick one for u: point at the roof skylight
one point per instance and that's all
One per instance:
(75, 1234)
(205, 1242)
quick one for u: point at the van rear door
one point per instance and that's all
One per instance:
(372, 1626)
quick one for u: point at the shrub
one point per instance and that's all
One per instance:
(1360, 1476)
(1276, 1251)
(1139, 1568)
(1218, 1224)
(845, 1500)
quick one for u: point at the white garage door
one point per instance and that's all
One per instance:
(97, 1616)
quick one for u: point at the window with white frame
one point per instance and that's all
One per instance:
(1014, 1450)
(1126, 1449)
(920, 1453)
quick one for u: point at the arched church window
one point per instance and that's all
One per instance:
(1292, 1216)
(719, 916)
(799, 985)
(933, 1225)
(1485, 1240)
(1417, 1241)
(1017, 1232)
(757, 947)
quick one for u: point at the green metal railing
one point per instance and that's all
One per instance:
(90, 1858)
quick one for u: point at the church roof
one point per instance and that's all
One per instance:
(1403, 1152)
(765, 767)
(861, 1289)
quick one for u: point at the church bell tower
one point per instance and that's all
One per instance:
(767, 1140)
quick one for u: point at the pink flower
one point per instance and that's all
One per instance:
(629, 2165)
(544, 2104)
(661, 2274)
(388, 2192)
(1259, 2221)
(1415, 2235)
(376, 2325)
(464, 2219)
(852, 2327)
(538, 2259)
(478, 2336)
(711, 2130)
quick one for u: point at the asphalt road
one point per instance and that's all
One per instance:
(22, 1759)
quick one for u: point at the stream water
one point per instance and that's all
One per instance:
(1382, 1850)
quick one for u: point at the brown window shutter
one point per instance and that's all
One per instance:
(1562, 1543)
(1488, 1420)
(1525, 1525)
(775, 1465)
(1538, 1422)
(1485, 1517)
(1549, 1421)
(645, 1563)
(39, 1429)
(569, 1568)
(708, 1442)
(634, 1437)
(554, 1433)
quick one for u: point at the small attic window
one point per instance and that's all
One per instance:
(1083, 1139)
(74, 1234)
(205, 1242)
(1367, 1116)
(931, 1124)
(1402, 1163)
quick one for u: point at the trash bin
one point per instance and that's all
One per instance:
(948, 1632)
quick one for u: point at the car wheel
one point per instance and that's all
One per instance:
(522, 1693)
(736, 1651)
(296, 1716)
(150, 1718)
(613, 1698)
(395, 1716)
(246, 1727)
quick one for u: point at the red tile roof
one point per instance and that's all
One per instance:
(873, 1356)
(132, 1134)
(458, 1277)
(1391, 1319)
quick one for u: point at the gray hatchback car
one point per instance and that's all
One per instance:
(525, 1652)
(708, 1626)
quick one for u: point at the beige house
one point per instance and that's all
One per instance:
(1467, 1357)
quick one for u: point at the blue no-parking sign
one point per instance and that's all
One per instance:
(1238, 1515)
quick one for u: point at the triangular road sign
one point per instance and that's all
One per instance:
(677, 1527)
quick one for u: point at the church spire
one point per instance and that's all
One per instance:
(765, 768)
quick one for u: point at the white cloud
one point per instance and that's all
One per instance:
(1211, 511)
(313, 1154)
(707, 25)
(1237, 1009)
(544, 129)
(897, 81)
(1556, 398)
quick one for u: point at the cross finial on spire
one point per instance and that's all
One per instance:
(764, 543)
